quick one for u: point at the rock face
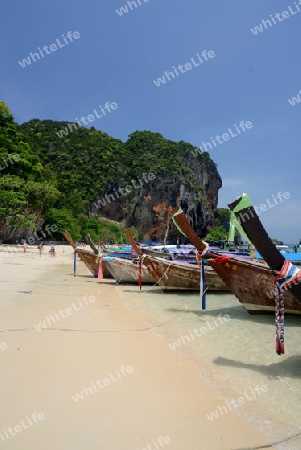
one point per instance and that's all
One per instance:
(10, 235)
(149, 208)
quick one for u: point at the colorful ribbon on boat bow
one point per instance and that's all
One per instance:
(74, 263)
(99, 259)
(286, 277)
(140, 270)
(200, 262)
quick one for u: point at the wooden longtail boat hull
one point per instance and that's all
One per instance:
(173, 276)
(251, 282)
(88, 258)
(126, 271)
(250, 223)
(253, 285)
(178, 276)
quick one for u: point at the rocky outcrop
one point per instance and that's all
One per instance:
(150, 207)
(11, 235)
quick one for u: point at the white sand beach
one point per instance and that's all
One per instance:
(143, 395)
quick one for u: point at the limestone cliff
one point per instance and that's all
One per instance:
(149, 208)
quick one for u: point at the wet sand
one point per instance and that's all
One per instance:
(140, 389)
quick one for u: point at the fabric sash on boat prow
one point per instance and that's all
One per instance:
(200, 262)
(98, 260)
(288, 275)
(243, 216)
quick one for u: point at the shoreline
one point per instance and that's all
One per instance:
(165, 395)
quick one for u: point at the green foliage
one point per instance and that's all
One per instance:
(135, 233)
(222, 226)
(88, 163)
(101, 230)
(64, 220)
(222, 218)
(82, 162)
(58, 176)
(216, 234)
(25, 194)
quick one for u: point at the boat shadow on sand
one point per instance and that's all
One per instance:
(289, 367)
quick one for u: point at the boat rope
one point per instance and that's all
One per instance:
(287, 276)
(164, 274)
(200, 263)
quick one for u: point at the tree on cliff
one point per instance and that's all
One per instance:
(25, 195)
(222, 225)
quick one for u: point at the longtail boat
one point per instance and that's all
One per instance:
(252, 282)
(88, 258)
(172, 252)
(287, 275)
(171, 275)
(118, 252)
(126, 271)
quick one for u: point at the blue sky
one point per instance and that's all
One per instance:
(117, 58)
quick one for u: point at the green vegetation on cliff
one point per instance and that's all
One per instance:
(27, 190)
(222, 225)
(56, 179)
(87, 163)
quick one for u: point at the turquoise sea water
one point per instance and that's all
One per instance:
(234, 356)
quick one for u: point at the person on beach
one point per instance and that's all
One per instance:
(52, 250)
(40, 247)
(25, 246)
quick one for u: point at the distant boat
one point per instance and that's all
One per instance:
(294, 258)
(177, 276)
(172, 252)
(88, 258)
